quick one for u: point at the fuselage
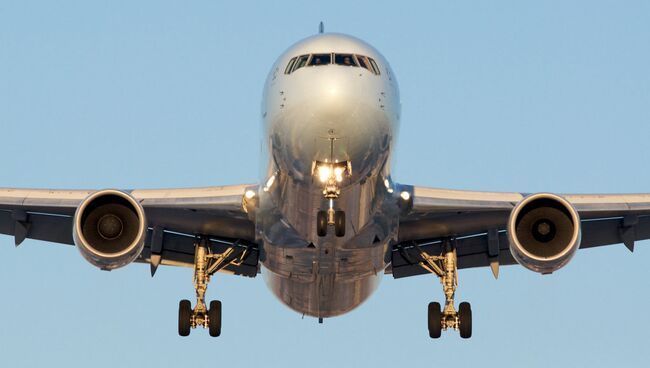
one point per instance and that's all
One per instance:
(317, 108)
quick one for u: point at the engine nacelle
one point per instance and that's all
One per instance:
(109, 229)
(544, 232)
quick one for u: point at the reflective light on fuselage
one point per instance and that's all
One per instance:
(333, 90)
(249, 194)
(269, 183)
(387, 185)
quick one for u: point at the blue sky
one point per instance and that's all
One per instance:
(509, 95)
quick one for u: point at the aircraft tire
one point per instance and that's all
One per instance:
(465, 317)
(321, 223)
(339, 223)
(214, 318)
(434, 317)
(184, 317)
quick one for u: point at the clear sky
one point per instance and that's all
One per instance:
(508, 95)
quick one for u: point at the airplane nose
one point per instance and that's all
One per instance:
(340, 103)
(335, 103)
(341, 96)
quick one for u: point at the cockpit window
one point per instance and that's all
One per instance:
(344, 59)
(374, 66)
(331, 58)
(320, 59)
(302, 61)
(290, 65)
(363, 62)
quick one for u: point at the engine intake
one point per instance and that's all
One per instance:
(109, 229)
(544, 232)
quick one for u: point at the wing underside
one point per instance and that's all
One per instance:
(476, 222)
(175, 218)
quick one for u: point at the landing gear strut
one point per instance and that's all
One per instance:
(205, 265)
(445, 267)
(331, 172)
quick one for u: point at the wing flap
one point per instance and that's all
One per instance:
(37, 226)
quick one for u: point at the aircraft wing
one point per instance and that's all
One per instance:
(477, 223)
(174, 217)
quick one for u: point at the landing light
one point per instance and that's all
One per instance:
(324, 173)
(338, 173)
(405, 195)
(249, 194)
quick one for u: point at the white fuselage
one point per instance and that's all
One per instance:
(318, 113)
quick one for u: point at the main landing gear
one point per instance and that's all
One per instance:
(205, 265)
(445, 267)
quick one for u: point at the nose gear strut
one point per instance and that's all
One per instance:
(331, 173)
(445, 266)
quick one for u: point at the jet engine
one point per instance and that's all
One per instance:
(544, 232)
(109, 229)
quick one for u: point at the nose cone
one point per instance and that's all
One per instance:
(343, 104)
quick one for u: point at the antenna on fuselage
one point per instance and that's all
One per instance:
(321, 27)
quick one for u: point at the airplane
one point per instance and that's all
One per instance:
(326, 221)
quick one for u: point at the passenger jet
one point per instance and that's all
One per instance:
(327, 220)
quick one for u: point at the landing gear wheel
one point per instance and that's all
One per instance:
(214, 318)
(321, 223)
(339, 223)
(465, 319)
(184, 317)
(435, 320)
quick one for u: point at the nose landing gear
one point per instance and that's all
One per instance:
(331, 172)
(339, 223)
(445, 267)
(330, 217)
